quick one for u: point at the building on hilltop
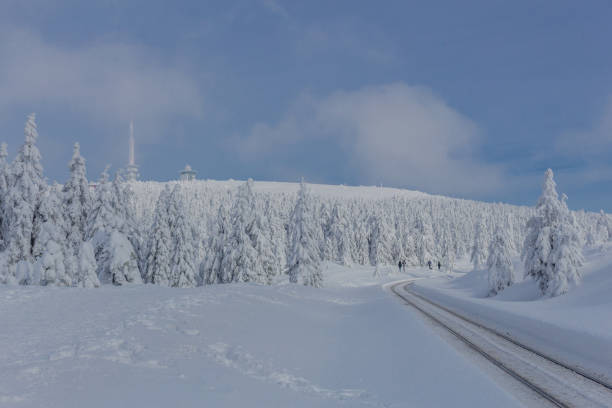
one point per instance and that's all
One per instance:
(131, 171)
(187, 174)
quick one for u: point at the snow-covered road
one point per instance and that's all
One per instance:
(228, 346)
(550, 382)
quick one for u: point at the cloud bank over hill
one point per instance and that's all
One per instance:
(394, 133)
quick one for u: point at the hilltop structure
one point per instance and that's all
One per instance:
(187, 174)
(131, 171)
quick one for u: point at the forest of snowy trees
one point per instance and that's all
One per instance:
(185, 234)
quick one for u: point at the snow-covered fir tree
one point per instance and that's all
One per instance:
(116, 258)
(102, 218)
(240, 259)
(304, 256)
(210, 269)
(340, 235)
(86, 272)
(183, 269)
(478, 256)
(131, 227)
(425, 247)
(55, 263)
(379, 241)
(172, 253)
(4, 184)
(25, 191)
(118, 263)
(76, 200)
(277, 234)
(603, 227)
(159, 248)
(499, 263)
(268, 263)
(552, 251)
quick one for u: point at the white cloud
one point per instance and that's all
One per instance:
(275, 7)
(592, 142)
(587, 151)
(392, 134)
(106, 82)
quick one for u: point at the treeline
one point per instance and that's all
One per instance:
(185, 234)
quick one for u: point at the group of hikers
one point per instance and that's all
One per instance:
(401, 264)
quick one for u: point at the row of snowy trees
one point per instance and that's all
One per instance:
(188, 234)
(73, 235)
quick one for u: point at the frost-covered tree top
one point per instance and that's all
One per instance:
(3, 153)
(304, 258)
(23, 197)
(549, 204)
(27, 170)
(499, 264)
(77, 199)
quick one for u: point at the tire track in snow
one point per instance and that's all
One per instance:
(555, 383)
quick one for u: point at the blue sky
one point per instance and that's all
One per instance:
(472, 99)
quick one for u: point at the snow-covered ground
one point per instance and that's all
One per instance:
(575, 328)
(349, 344)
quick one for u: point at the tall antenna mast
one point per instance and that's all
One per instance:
(132, 162)
(132, 168)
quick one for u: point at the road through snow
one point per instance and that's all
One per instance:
(550, 382)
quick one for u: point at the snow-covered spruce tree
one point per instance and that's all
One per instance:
(276, 233)
(159, 248)
(76, 200)
(86, 276)
(183, 269)
(499, 263)
(210, 269)
(603, 227)
(447, 249)
(326, 245)
(120, 265)
(425, 246)
(131, 228)
(342, 244)
(304, 261)
(101, 218)
(552, 251)
(54, 265)
(4, 184)
(478, 257)
(379, 241)
(240, 260)
(116, 259)
(268, 265)
(23, 198)
(397, 247)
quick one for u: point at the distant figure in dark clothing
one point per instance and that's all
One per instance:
(399, 265)
(429, 264)
(439, 265)
(404, 265)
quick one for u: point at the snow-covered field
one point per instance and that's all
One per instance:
(349, 344)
